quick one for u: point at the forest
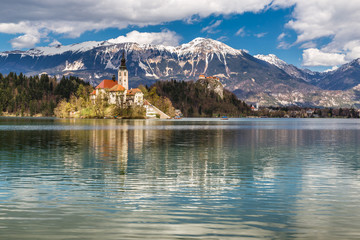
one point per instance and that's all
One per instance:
(21, 95)
(300, 112)
(195, 100)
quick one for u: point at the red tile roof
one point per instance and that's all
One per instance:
(117, 88)
(93, 92)
(106, 83)
(133, 91)
(211, 77)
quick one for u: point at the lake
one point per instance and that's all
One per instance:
(179, 179)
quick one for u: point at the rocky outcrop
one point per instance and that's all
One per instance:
(213, 84)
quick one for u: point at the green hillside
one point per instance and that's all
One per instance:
(196, 100)
(28, 96)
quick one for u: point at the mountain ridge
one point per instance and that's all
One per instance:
(253, 78)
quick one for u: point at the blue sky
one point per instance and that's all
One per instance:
(314, 34)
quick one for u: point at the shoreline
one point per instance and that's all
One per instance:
(6, 115)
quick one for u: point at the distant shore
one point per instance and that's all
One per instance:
(5, 114)
(39, 115)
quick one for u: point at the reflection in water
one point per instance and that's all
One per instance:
(204, 179)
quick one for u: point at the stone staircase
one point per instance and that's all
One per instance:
(154, 112)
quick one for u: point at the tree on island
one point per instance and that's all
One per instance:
(196, 100)
(28, 96)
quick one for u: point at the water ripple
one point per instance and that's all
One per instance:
(198, 178)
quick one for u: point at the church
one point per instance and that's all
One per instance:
(118, 92)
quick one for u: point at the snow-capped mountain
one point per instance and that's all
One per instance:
(206, 46)
(304, 74)
(199, 45)
(272, 59)
(345, 77)
(97, 60)
(255, 79)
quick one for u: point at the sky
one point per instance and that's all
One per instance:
(313, 34)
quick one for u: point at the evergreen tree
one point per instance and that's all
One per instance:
(195, 100)
(22, 95)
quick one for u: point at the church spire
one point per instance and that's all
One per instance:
(123, 62)
(123, 78)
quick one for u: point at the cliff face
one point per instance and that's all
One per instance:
(212, 84)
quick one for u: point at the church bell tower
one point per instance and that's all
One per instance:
(123, 73)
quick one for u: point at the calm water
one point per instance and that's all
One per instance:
(180, 179)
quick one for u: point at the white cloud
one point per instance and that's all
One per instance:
(31, 34)
(281, 36)
(55, 43)
(337, 21)
(283, 3)
(308, 45)
(25, 41)
(222, 39)
(13, 28)
(282, 43)
(166, 37)
(241, 32)
(331, 69)
(211, 28)
(316, 57)
(311, 19)
(260, 35)
(192, 19)
(353, 49)
(72, 18)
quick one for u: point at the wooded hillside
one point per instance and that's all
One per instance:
(27, 96)
(195, 100)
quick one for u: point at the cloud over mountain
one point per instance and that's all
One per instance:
(330, 27)
(72, 18)
(316, 20)
(315, 57)
(166, 37)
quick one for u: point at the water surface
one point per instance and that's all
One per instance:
(179, 179)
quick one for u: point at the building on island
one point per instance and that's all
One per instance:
(118, 92)
(212, 83)
(210, 77)
(154, 112)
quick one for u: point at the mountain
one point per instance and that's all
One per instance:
(94, 61)
(338, 88)
(264, 79)
(344, 78)
(304, 74)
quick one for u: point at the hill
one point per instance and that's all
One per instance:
(28, 96)
(195, 99)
